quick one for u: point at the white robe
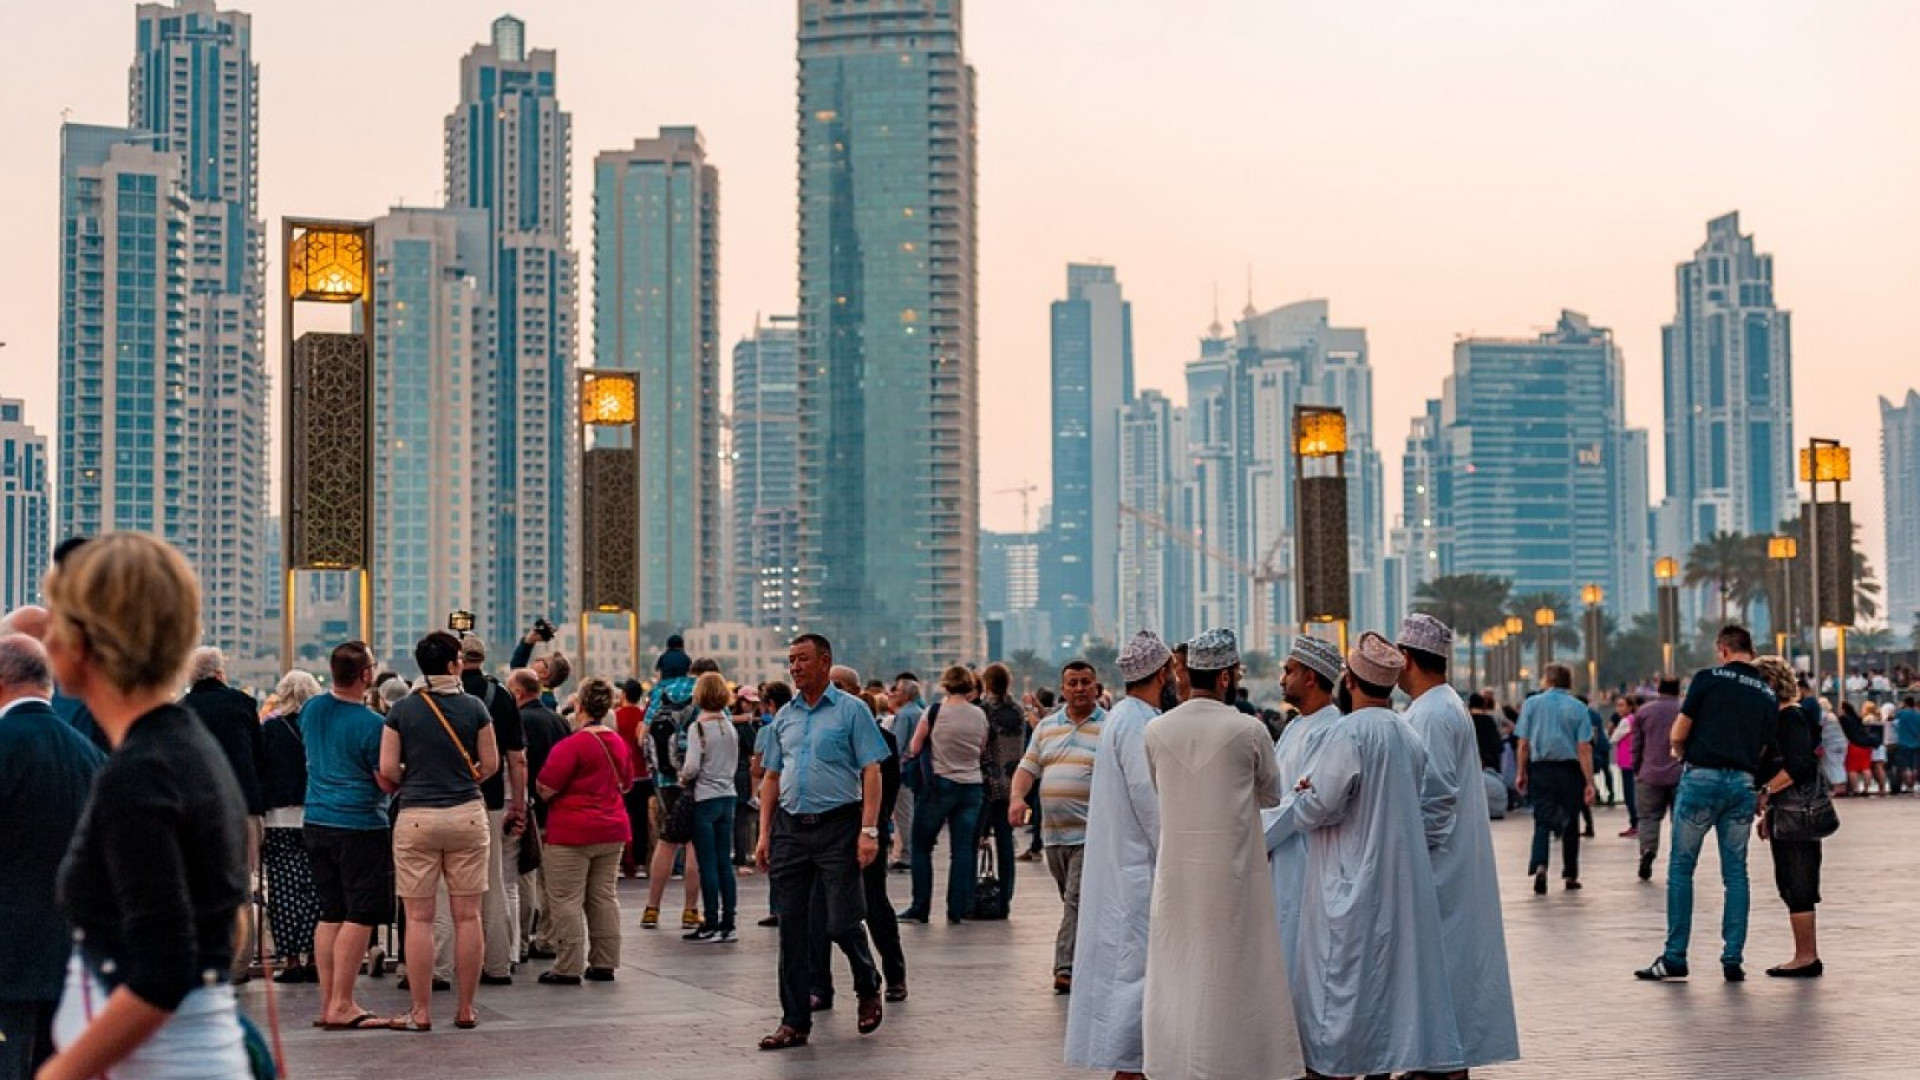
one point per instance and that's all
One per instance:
(1466, 879)
(1217, 1004)
(1116, 894)
(1288, 857)
(1369, 920)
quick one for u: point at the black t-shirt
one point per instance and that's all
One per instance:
(1734, 716)
(1486, 734)
(436, 773)
(507, 730)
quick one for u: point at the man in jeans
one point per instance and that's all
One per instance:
(1721, 734)
(1060, 760)
(1656, 771)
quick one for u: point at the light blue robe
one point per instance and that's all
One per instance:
(1116, 895)
(1379, 1001)
(1467, 881)
(1287, 858)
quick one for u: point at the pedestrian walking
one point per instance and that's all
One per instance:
(713, 750)
(1656, 769)
(1059, 765)
(1555, 733)
(292, 908)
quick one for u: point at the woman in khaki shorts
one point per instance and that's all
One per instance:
(438, 746)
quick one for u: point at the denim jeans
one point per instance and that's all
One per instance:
(713, 851)
(956, 806)
(1721, 800)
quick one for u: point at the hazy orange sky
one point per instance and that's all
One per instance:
(1433, 169)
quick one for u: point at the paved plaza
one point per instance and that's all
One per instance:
(982, 1004)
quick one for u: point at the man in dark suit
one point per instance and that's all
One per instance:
(46, 770)
(233, 718)
(31, 620)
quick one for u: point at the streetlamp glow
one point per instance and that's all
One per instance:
(1666, 568)
(327, 264)
(1544, 616)
(1826, 463)
(1515, 626)
(1592, 595)
(1783, 547)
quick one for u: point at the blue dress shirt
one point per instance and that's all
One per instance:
(821, 750)
(1554, 724)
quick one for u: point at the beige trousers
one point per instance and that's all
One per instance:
(583, 886)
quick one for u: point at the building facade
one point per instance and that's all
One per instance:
(766, 515)
(1010, 572)
(508, 147)
(656, 291)
(1900, 477)
(1539, 459)
(1422, 542)
(1728, 365)
(889, 373)
(1092, 383)
(1155, 473)
(26, 540)
(433, 404)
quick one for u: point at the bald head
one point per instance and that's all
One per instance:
(24, 672)
(30, 620)
(844, 677)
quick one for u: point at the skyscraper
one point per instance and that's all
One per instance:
(656, 292)
(433, 404)
(766, 516)
(508, 146)
(1728, 363)
(1092, 382)
(1423, 540)
(193, 85)
(1538, 453)
(1155, 569)
(889, 373)
(125, 446)
(1900, 477)
(25, 542)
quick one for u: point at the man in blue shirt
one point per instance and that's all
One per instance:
(345, 829)
(820, 827)
(1556, 771)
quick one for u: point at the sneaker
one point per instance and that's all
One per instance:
(1663, 969)
(699, 936)
(724, 937)
(1734, 972)
(1646, 867)
(689, 919)
(650, 919)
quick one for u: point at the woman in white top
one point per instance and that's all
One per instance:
(713, 753)
(957, 731)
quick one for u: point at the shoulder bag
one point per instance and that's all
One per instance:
(472, 767)
(1802, 813)
(678, 828)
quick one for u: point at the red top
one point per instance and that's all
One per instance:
(631, 720)
(587, 772)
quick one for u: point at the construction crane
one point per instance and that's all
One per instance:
(1262, 577)
(1026, 491)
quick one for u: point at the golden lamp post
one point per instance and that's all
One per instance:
(1593, 596)
(1828, 526)
(1514, 627)
(1320, 519)
(610, 503)
(1783, 550)
(1543, 619)
(1665, 570)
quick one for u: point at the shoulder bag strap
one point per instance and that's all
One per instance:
(602, 744)
(457, 744)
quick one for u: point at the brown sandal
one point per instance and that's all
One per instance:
(870, 1013)
(784, 1038)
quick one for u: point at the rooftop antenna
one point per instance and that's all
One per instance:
(1250, 312)
(1214, 329)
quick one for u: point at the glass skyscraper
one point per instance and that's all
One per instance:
(508, 146)
(1155, 469)
(1900, 477)
(1728, 362)
(25, 542)
(433, 402)
(889, 374)
(1092, 383)
(766, 516)
(656, 292)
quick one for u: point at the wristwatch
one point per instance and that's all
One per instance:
(871, 832)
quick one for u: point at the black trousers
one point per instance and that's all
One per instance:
(882, 925)
(28, 1027)
(1558, 791)
(813, 861)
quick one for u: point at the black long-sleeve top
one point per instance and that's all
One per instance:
(1793, 747)
(158, 866)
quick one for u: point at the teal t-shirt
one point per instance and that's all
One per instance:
(343, 753)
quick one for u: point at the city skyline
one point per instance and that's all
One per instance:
(1837, 234)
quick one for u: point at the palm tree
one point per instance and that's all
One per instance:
(1526, 604)
(1470, 603)
(1029, 670)
(1727, 562)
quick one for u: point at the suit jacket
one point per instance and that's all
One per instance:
(233, 719)
(46, 773)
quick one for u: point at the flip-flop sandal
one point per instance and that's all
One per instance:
(362, 1022)
(408, 1023)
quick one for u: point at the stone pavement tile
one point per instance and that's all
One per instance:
(982, 1002)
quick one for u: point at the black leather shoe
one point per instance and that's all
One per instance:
(496, 980)
(595, 974)
(1734, 972)
(1804, 971)
(554, 978)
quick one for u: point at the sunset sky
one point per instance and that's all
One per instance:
(1434, 170)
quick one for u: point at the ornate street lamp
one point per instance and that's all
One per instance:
(1783, 550)
(1665, 569)
(610, 503)
(1514, 628)
(1828, 527)
(1543, 618)
(1593, 596)
(1320, 518)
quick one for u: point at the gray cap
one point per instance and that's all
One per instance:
(1213, 650)
(1317, 655)
(1427, 634)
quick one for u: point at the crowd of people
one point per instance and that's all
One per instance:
(1330, 863)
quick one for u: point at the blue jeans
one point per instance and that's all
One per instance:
(713, 850)
(1721, 800)
(956, 806)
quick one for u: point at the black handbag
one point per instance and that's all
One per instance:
(989, 897)
(1803, 812)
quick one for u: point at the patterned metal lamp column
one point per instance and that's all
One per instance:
(1320, 516)
(610, 504)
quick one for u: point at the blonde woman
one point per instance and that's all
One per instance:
(713, 752)
(584, 782)
(293, 909)
(157, 871)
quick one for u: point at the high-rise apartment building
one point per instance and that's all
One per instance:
(1900, 477)
(1728, 363)
(25, 540)
(1155, 474)
(1423, 539)
(889, 351)
(1538, 453)
(508, 147)
(1210, 513)
(766, 515)
(656, 293)
(124, 439)
(1010, 573)
(1092, 383)
(433, 404)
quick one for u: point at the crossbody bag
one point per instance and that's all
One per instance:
(472, 767)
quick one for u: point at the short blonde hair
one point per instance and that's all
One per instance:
(296, 689)
(1780, 678)
(711, 692)
(134, 602)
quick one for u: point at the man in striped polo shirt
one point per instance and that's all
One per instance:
(1060, 759)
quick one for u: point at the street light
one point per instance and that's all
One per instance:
(1544, 618)
(610, 502)
(1325, 584)
(1514, 628)
(1665, 569)
(1828, 526)
(1593, 596)
(1783, 550)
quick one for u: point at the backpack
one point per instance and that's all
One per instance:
(664, 729)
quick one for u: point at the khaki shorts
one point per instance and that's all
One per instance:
(429, 842)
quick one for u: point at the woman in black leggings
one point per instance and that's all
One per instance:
(1791, 767)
